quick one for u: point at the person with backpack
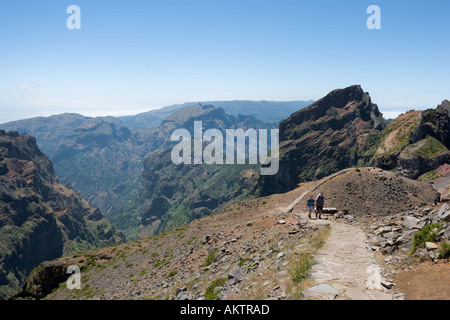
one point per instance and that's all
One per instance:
(320, 201)
(310, 205)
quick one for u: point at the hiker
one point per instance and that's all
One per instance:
(310, 205)
(320, 201)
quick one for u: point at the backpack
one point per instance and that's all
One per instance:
(320, 199)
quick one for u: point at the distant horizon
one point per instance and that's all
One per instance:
(130, 57)
(392, 114)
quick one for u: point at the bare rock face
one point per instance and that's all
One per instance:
(43, 280)
(336, 132)
(40, 219)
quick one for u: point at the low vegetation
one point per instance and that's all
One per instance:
(426, 148)
(210, 258)
(444, 251)
(299, 267)
(211, 292)
(429, 233)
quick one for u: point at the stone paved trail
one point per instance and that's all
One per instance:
(346, 267)
(346, 263)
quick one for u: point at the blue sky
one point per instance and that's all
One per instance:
(133, 56)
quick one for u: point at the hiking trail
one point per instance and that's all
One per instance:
(345, 266)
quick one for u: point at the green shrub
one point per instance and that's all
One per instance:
(242, 261)
(172, 273)
(159, 263)
(444, 252)
(210, 258)
(426, 234)
(142, 272)
(300, 267)
(210, 294)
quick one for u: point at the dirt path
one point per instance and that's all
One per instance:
(346, 267)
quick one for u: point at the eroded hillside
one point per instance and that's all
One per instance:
(247, 251)
(40, 219)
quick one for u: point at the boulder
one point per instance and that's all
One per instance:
(410, 222)
(236, 275)
(382, 230)
(444, 213)
(405, 237)
(422, 223)
(321, 291)
(46, 277)
(390, 236)
(431, 245)
(446, 235)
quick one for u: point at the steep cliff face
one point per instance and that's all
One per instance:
(336, 132)
(416, 142)
(99, 157)
(40, 219)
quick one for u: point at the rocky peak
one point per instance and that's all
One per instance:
(336, 132)
(416, 142)
(334, 111)
(23, 147)
(445, 106)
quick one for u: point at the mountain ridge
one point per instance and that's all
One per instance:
(40, 219)
(335, 132)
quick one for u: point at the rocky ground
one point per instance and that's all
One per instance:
(249, 251)
(234, 254)
(426, 264)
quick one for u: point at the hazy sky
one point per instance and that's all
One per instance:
(132, 56)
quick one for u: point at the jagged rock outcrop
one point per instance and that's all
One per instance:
(45, 278)
(338, 131)
(40, 219)
(416, 142)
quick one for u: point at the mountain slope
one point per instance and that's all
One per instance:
(338, 131)
(416, 142)
(40, 219)
(171, 195)
(247, 251)
(103, 159)
(97, 156)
